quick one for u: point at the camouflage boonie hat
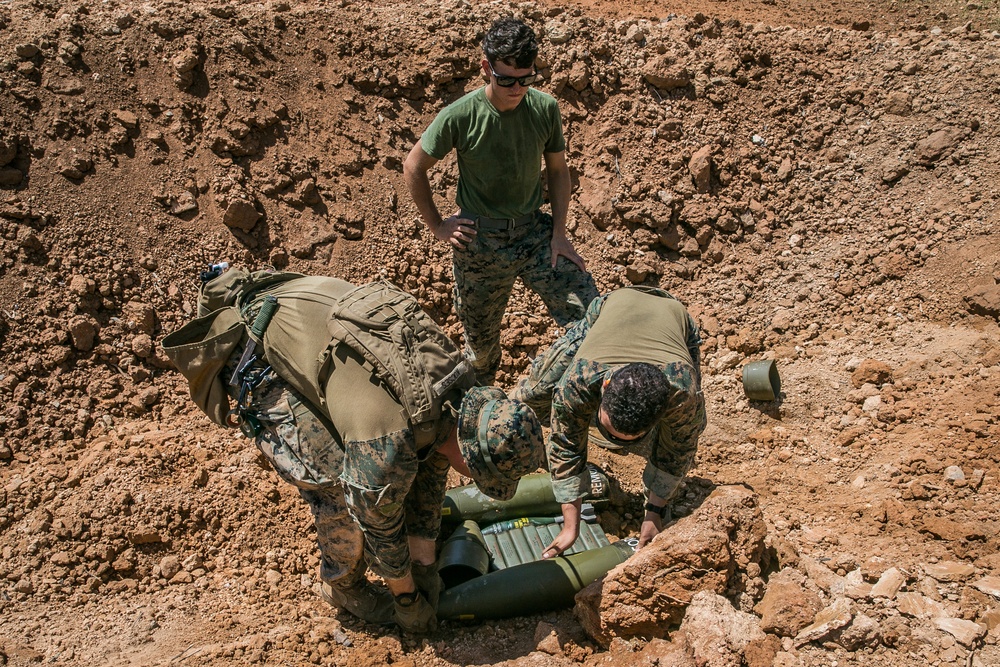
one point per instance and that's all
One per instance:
(500, 440)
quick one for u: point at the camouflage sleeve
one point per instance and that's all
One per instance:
(693, 343)
(677, 437)
(378, 475)
(574, 403)
(548, 368)
(426, 497)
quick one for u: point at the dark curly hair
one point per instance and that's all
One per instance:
(510, 41)
(635, 398)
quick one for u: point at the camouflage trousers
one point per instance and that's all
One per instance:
(301, 449)
(485, 273)
(369, 490)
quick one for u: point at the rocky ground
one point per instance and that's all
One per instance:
(817, 181)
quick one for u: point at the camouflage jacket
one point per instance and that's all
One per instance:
(567, 387)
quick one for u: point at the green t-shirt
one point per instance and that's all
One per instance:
(499, 152)
(638, 327)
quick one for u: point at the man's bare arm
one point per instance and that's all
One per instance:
(454, 230)
(557, 174)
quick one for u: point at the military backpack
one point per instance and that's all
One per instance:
(406, 348)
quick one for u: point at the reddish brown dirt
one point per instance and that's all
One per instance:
(846, 211)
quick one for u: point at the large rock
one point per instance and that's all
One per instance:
(717, 633)
(787, 606)
(984, 300)
(934, 147)
(666, 74)
(650, 591)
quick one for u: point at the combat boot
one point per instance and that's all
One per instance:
(370, 603)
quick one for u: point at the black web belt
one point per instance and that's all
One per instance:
(498, 223)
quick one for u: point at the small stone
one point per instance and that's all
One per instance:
(26, 50)
(948, 571)
(183, 202)
(787, 606)
(856, 587)
(988, 585)
(82, 332)
(782, 320)
(142, 345)
(827, 620)
(888, 584)
(700, 167)
(918, 606)
(784, 171)
(954, 474)
(937, 145)
(61, 559)
(871, 371)
(965, 632)
(144, 536)
(169, 566)
(862, 631)
(10, 176)
(547, 639)
(241, 215)
(182, 577)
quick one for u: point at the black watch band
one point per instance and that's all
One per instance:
(406, 599)
(662, 511)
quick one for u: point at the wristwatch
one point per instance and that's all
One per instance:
(662, 511)
(406, 599)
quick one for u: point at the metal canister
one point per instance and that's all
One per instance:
(761, 381)
(464, 555)
(534, 497)
(542, 585)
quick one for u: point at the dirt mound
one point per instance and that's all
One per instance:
(824, 196)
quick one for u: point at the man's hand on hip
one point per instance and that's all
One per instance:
(562, 246)
(457, 231)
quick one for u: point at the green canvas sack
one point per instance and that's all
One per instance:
(200, 350)
(406, 348)
(236, 287)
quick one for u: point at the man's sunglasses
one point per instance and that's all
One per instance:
(509, 81)
(621, 442)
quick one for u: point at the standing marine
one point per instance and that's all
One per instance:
(501, 133)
